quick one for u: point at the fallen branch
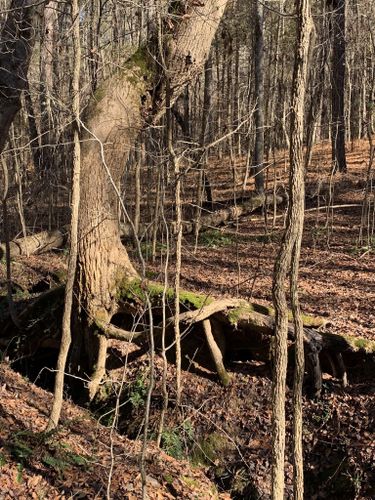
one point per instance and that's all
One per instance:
(219, 217)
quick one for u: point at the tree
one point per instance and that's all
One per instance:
(17, 41)
(72, 266)
(259, 96)
(287, 262)
(118, 111)
(338, 25)
(112, 123)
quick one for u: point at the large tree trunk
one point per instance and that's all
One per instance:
(112, 123)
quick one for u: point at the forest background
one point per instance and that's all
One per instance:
(179, 125)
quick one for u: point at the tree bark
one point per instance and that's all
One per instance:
(17, 41)
(47, 46)
(112, 124)
(338, 25)
(287, 261)
(258, 167)
(305, 29)
(66, 336)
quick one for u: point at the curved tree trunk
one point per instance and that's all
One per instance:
(287, 263)
(113, 122)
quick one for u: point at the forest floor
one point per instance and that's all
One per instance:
(219, 435)
(337, 273)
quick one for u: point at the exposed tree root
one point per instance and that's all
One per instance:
(216, 353)
(219, 329)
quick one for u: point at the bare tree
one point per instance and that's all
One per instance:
(259, 96)
(17, 41)
(287, 262)
(66, 324)
(338, 25)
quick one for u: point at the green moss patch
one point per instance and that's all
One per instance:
(137, 290)
(211, 448)
(361, 344)
(235, 314)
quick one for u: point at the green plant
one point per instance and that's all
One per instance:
(3, 460)
(323, 414)
(168, 478)
(146, 248)
(190, 482)
(359, 250)
(189, 431)
(19, 473)
(138, 392)
(215, 239)
(356, 479)
(21, 445)
(176, 441)
(63, 459)
(26, 446)
(172, 443)
(21, 294)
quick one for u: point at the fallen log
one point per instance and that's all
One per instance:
(215, 219)
(46, 241)
(36, 243)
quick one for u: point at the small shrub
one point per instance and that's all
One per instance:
(215, 239)
(26, 446)
(177, 441)
(146, 249)
(172, 443)
(138, 392)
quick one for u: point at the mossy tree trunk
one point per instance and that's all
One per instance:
(112, 124)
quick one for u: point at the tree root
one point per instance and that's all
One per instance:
(100, 369)
(216, 353)
(114, 332)
(227, 327)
